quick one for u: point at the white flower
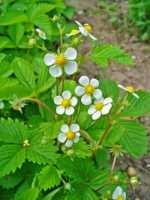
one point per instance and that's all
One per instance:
(100, 107)
(85, 30)
(2, 105)
(69, 134)
(88, 89)
(41, 34)
(65, 103)
(119, 194)
(129, 89)
(62, 62)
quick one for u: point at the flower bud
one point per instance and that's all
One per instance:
(131, 171)
(68, 186)
(31, 42)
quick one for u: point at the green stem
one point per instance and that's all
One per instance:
(86, 136)
(39, 102)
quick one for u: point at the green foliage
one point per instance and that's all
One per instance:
(51, 146)
(139, 13)
(104, 53)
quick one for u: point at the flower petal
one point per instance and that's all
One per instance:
(122, 87)
(71, 53)
(86, 100)
(71, 67)
(61, 137)
(69, 143)
(98, 94)
(117, 192)
(107, 100)
(66, 94)
(76, 139)
(106, 109)
(84, 80)
(64, 128)
(75, 127)
(83, 31)
(78, 23)
(49, 59)
(91, 110)
(92, 36)
(69, 111)
(60, 110)
(135, 95)
(79, 90)
(55, 71)
(96, 115)
(94, 82)
(58, 100)
(74, 101)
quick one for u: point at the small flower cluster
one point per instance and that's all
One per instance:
(90, 94)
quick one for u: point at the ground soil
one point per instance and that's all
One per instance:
(88, 11)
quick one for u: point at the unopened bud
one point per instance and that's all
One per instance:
(131, 171)
(31, 41)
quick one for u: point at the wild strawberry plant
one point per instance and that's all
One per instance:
(62, 133)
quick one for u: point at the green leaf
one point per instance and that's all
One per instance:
(10, 181)
(39, 9)
(12, 17)
(48, 177)
(16, 32)
(28, 194)
(81, 190)
(5, 42)
(44, 80)
(39, 151)
(70, 85)
(14, 132)
(51, 130)
(104, 53)
(134, 139)
(2, 56)
(12, 156)
(81, 149)
(110, 89)
(24, 72)
(137, 107)
(10, 88)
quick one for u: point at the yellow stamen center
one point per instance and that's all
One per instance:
(89, 89)
(66, 103)
(60, 59)
(99, 105)
(88, 28)
(70, 135)
(130, 89)
(120, 197)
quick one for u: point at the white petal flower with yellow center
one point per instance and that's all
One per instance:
(41, 34)
(129, 89)
(62, 62)
(100, 107)
(88, 89)
(65, 103)
(69, 134)
(85, 30)
(119, 194)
